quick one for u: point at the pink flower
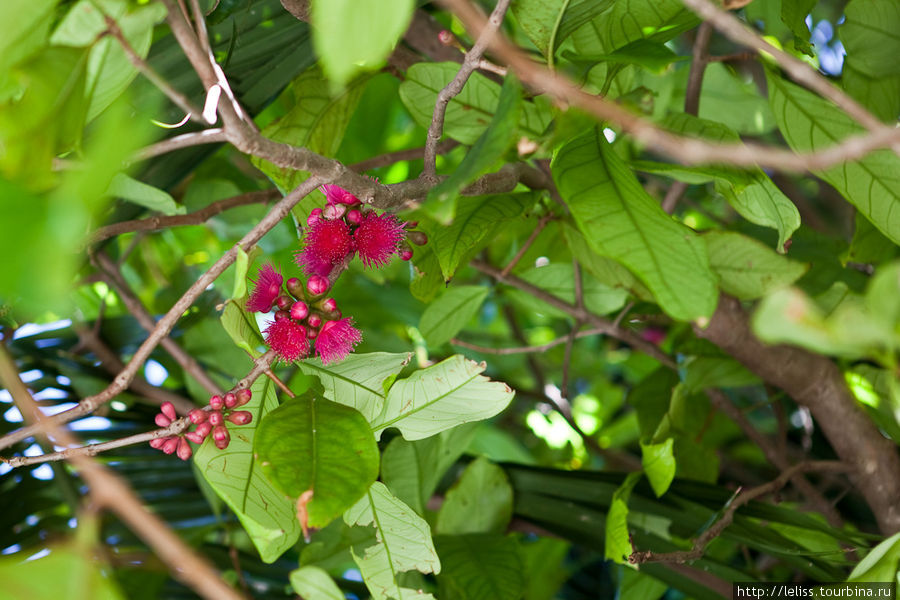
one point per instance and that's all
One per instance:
(338, 195)
(336, 340)
(288, 339)
(377, 238)
(327, 242)
(266, 289)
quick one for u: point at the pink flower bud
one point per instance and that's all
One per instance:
(334, 211)
(317, 285)
(283, 302)
(299, 310)
(162, 420)
(445, 37)
(411, 224)
(168, 409)
(419, 238)
(195, 437)
(197, 416)
(157, 443)
(295, 287)
(240, 417)
(406, 254)
(312, 333)
(230, 400)
(329, 305)
(314, 216)
(243, 397)
(221, 437)
(281, 315)
(170, 445)
(184, 449)
(354, 216)
(216, 402)
(314, 320)
(203, 430)
(215, 418)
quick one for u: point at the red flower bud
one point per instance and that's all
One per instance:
(314, 320)
(195, 437)
(197, 416)
(240, 417)
(184, 449)
(168, 409)
(295, 287)
(203, 430)
(230, 400)
(157, 443)
(405, 254)
(317, 285)
(312, 333)
(334, 211)
(281, 315)
(299, 311)
(354, 216)
(283, 302)
(313, 216)
(221, 437)
(216, 402)
(170, 445)
(330, 305)
(419, 238)
(162, 420)
(215, 418)
(243, 397)
(445, 37)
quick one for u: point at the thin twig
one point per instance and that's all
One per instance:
(186, 140)
(109, 491)
(167, 322)
(534, 234)
(195, 218)
(526, 349)
(452, 89)
(741, 499)
(391, 158)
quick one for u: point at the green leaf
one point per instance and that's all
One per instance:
(620, 220)
(404, 544)
(310, 443)
(426, 278)
(313, 583)
(488, 148)
(316, 120)
(746, 268)
(618, 542)
(604, 269)
(66, 572)
(631, 20)
(241, 327)
(658, 461)
(138, 192)
(236, 476)
(717, 372)
(794, 16)
(475, 222)
(26, 24)
(544, 563)
(871, 35)
(480, 567)
(469, 113)
(640, 586)
(442, 396)
(732, 101)
(559, 280)
(109, 70)
(350, 36)
(881, 565)
(646, 53)
(549, 22)
(480, 502)
(359, 381)
(809, 122)
(412, 470)
(881, 95)
(447, 315)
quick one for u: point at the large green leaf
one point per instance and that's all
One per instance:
(312, 444)
(881, 95)
(480, 502)
(237, 477)
(442, 396)
(476, 219)
(241, 327)
(871, 184)
(109, 70)
(447, 315)
(360, 380)
(618, 542)
(480, 567)
(871, 35)
(317, 120)
(403, 544)
(412, 470)
(138, 192)
(549, 22)
(631, 20)
(350, 35)
(25, 29)
(559, 280)
(314, 583)
(606, 270)
(469, 113)
(794, 16)
(746, 268)
(881, 565)
(66, 572)
(658, 461)
(488, 148)
(620, 220)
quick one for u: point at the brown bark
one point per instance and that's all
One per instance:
(816, 382)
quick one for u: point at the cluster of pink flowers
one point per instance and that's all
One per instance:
(345, 227)
(208, 420)
(305, 320)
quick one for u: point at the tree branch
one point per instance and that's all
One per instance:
(185, 140)
(526, 349)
